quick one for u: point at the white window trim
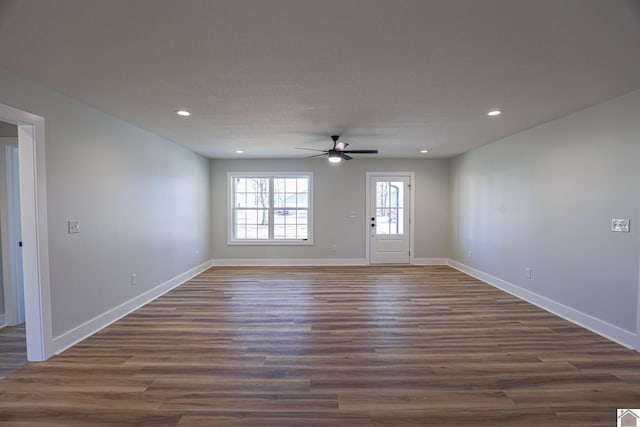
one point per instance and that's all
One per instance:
(233, 242)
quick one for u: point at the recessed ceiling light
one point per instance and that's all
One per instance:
(494, 113)
(239, 151)
(424, 151)
(183, 113)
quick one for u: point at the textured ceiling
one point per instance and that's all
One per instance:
(268, 76)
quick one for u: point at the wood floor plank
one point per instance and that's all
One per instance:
(13, 351)
(326, 346)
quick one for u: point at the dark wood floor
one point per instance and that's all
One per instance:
(13, 351)
(331, 346)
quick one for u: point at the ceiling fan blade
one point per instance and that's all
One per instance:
(346, 156)
(317, 155)
(362, 151)
(310, 149)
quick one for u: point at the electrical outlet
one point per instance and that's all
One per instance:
(73, 227)
(134, 279)
(620, 225)
(334, 248)
(527, 273)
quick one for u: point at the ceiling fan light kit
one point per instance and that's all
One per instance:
(338, 152)
(334, 156)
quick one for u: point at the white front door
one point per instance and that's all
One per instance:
(389, 219)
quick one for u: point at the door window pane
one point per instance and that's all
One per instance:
(390, 207)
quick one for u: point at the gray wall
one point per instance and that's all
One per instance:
(338, 191)
(544, 199)
(142, 202)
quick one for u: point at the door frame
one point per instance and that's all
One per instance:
(412, 187)
(35, 237)
(638, 312)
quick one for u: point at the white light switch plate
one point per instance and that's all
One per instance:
(620, 225)
(73, 227)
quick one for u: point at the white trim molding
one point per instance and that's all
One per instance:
(598, 326)
(638, 312)
(430, 261)
(3, 320)
(291, 262)
(259, 262)
(90, 327)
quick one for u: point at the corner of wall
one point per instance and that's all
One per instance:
(611, 332)
(81, 332)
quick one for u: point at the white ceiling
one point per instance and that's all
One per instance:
(268, 76)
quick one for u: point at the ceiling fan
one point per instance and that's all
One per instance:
(338, 152)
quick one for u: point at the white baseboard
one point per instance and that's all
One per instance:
(259, 262)
(79, 333)
(598, 326)
(430, 261)
(289, 262)
(3, 320)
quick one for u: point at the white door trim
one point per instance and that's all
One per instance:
(35, 237)
(638, 312)
(412, 181)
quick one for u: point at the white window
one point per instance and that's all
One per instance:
(270, 208)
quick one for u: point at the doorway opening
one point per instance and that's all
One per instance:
(12, 337)
(11, 280)
(26, 213)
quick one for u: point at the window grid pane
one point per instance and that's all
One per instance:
(251, 224)
(291, 224)
(252, 210)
